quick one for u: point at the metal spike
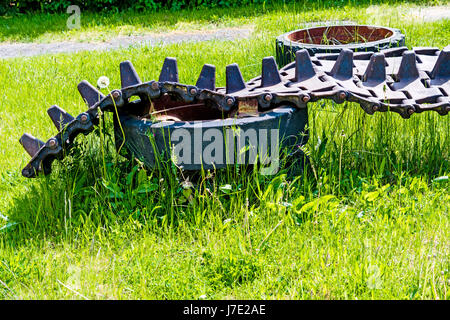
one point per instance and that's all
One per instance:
(128, 75)
(169, 70)
(59, 117)
(207, 78)
(408, 67)
(234, 80)
(90, 94)
(343, 67)
(269, 75)
(442, 67)
(31, 144)
(376, 69)
(303, 66)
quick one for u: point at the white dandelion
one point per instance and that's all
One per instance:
(103, 82)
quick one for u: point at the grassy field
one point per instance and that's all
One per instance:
(368, 219)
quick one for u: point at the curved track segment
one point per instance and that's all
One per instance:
(399, 80)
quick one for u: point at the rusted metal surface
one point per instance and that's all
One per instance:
(334, 38)
(339, 35)
(399, 80)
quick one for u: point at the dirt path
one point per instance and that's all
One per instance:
(10, 50)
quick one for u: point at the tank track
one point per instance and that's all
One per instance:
(286, 48)
(398, 80)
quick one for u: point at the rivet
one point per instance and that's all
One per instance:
(230, 101)
(155, 86)
(52, 143)
(410, 111)
(116, 94)
(193, 91)
(375, 108)
(306, 99)
(268, 97)
(342, 95)
(84, 118)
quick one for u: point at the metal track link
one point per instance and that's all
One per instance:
(399, 80)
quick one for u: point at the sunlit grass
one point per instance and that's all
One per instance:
(106, 25)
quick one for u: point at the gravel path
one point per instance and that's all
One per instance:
(10, 50)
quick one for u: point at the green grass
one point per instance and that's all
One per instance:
(103, 26)
(367, 220)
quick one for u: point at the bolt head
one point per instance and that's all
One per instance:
(342, 95)
(116, 94)
(230, 101)
(155, 86)
(305, 99)
(52, 143)
(375, 108)
(268, 97)
(84, 118)
(193, 91)
(410, 111)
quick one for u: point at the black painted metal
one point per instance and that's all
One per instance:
(89, 93)
(235, 81)
(399, 80)
(31, 144)
(128, 75)
(207, 78)
(169, 71)
(152, 141)
(59, 117)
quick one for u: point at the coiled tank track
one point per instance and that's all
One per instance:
(395, 80)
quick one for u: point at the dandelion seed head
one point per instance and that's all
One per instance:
(103, 82)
